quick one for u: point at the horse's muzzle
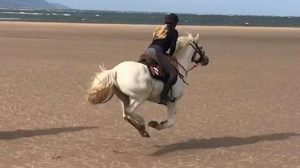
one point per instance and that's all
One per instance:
(205, 61)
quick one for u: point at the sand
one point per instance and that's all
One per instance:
(241, 111)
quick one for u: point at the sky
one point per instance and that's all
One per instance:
(227, 7)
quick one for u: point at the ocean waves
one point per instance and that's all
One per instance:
(89, 16)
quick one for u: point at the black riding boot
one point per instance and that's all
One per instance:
(164, 98)
(167, 66)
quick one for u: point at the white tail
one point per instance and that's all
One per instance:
(102, 89)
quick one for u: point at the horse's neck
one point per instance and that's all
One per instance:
(184, 59)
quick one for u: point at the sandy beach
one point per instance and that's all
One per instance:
(241, 111)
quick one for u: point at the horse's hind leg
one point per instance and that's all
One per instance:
(129, 106)
(134, 119)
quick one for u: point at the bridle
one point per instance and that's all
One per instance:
(197, 50)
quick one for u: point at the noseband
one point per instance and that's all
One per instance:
(198, 50)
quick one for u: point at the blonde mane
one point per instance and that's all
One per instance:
(183, 41)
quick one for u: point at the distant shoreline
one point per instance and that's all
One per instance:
(114, 17)
(138, 25)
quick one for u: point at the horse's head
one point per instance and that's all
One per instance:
(199, 56)
(192, 48)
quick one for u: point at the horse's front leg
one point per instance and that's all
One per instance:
(171, 112)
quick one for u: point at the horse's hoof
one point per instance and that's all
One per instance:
(145, 135)
(154, 124)
(163, 122)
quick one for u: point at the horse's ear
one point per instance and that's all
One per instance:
(186, 33)
(197, 37)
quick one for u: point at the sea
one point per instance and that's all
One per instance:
(152, 18)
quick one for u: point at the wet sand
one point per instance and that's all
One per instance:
(241, 111)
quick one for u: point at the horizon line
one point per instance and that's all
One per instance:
(164, 12)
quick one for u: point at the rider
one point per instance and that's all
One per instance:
(164, 39)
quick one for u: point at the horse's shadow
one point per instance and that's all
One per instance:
(11, 135)
(220, 142)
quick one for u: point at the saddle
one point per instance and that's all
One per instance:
(155, 70)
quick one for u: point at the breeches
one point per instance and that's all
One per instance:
(156, 53)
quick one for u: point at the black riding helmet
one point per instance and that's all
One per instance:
(171, 18)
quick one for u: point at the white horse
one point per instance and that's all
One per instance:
(133, 85)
